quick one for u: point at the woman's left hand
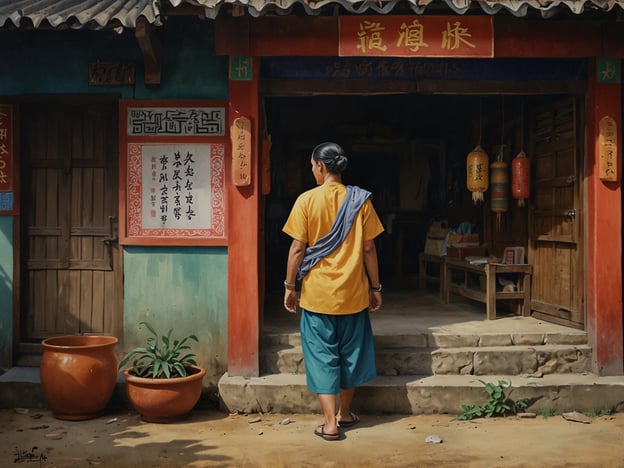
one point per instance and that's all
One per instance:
(290, 300)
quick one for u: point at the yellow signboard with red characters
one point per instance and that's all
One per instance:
(406, 36)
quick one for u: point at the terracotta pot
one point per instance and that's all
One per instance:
(78, 375)
(165, 400)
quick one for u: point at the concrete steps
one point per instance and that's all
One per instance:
(287, 393)
(439, 354)
(423, 373)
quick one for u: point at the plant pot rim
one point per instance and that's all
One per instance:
(198, 373)
(64, 342)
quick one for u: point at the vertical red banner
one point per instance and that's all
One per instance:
(7, 149)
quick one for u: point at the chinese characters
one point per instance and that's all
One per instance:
(176, 189)
(427, 36)
(175, 178)
(5, 147)
(6, 159)
(241, 151)
(608, 149)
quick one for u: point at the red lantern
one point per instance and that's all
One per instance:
(477, 173)
(521, 178)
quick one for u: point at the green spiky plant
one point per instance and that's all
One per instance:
(162, 357)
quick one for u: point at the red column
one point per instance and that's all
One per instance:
(243, 243)
(604, 239)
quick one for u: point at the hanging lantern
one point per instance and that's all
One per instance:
(499, 199)
(477, 173)
(521, 178)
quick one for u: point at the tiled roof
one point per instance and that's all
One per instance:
(78, 14)
(96, 14)
(545, 8)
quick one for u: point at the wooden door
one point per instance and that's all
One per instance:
(70, 260)
(556, 216)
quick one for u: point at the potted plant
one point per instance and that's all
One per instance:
(163, 382)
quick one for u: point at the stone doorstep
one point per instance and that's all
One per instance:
(506, 360)
(287, 393)
(442, 340)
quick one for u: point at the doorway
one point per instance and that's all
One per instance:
(70, 281)
(410, 151)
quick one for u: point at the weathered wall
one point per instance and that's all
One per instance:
(181, 287)
(6, 290)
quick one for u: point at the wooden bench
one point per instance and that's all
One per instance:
(470, 287)
(424, 260)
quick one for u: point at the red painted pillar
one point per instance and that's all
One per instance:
(244, 242)
(604, 238)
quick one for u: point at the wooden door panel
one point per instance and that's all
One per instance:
(554, 278)
(555, 236)
(71, 265)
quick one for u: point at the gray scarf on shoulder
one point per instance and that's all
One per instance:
(354, 200)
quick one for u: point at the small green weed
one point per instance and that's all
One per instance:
(602, 412)
(549, 413)
(498, 403)
(298, 366)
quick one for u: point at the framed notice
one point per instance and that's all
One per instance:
(173, 171)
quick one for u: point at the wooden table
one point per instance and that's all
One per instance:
(467, 288)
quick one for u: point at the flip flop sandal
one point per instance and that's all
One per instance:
(354, 420)
(325, 435)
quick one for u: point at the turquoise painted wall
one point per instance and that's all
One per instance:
(6, 290)
(185, 287)
(44, 62)
(180, 288)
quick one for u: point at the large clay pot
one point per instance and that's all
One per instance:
(165, 400)
(78, 375)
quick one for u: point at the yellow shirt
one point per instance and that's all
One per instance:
(338, 283)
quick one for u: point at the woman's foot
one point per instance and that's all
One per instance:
(320, 431)
(350, 422)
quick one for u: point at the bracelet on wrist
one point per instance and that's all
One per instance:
(289, 286)
(377, 289)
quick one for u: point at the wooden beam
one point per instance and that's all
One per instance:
(151, 48)
(603, 231)
(286, 87)
(244, 227)
(319, 36)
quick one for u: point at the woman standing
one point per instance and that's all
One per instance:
(333, 254)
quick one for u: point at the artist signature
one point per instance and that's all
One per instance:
(29, 456)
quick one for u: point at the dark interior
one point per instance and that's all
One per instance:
(409, 150)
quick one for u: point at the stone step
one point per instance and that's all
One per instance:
(411, 394)
(491, 360)
(443, 340)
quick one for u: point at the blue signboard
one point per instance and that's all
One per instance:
(390, 68)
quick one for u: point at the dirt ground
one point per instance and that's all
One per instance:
(211, 438)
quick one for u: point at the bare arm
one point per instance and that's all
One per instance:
(295, 257)
(372, 270)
